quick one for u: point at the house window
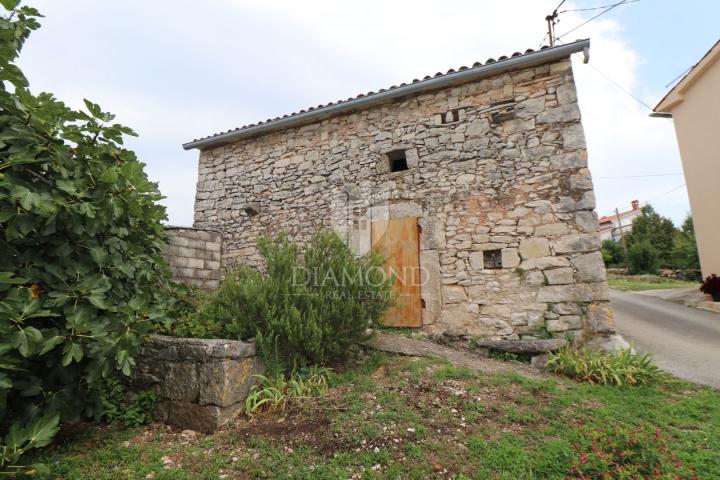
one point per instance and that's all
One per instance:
(398, 161)
(492, 259)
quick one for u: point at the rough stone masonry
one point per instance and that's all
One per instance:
(495, 170)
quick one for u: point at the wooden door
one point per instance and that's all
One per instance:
(398, 241)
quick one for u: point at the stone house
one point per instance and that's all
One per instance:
(613, 227)
(475, 181)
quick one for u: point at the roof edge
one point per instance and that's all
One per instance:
(476, 73)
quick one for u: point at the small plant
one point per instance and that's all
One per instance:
(119, 405)
(711, 286)
(623, 453)
(273, 394)
(617, 368)
(36, 434)
(504, 356)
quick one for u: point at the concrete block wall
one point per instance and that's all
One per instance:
(194, 256)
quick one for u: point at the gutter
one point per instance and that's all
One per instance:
(471, 74)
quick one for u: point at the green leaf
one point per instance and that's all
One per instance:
(93, 108)
(99, 255)
(10, 4)
(20, 340)
(41, 431)
(9, 277)
(72, 351)
(50, 343)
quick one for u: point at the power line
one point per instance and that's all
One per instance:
(592, 8)
(666, 193)
(592, 18)
(619, 87)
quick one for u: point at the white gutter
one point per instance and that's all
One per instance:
(471, 74)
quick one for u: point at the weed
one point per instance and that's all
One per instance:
(616, 368)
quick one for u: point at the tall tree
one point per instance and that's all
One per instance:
(656, 230)
(685, 252)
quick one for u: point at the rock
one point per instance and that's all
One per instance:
(510, 258)
(583, 292)
(609, 343)
(544, 263)
(576, 243)
(534, 247)
(551, 229)
(453, 294)
(590, 267)
(559, 276)
(573, 137)
(522, 346)
(572, 160)
(539, 361)
(564, 113)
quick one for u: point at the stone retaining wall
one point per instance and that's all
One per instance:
(200, 383)
(194, 256)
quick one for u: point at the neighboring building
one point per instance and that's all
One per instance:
(613, 227)
(474, 181)
(694, 104)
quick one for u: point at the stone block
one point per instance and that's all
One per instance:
(566, 161)
(430, 291)
(510, 258)
(573, 137)
(551, 229)
(600, 318)
(191, 416)
(576, 243)
(590, 267)
(582, 292)
(453, 294)
(534, 247)
(559, 276)
(226, 382)
(562, 114)
(543, 263)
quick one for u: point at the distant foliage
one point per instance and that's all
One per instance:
(613, 254)
(614, 368)
(80, 236)
(685, 252)
(303, 309)
(656, 230)
(642, 258)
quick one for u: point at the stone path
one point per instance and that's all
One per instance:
(421, 347)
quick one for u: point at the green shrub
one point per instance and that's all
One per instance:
(642, 258)
(120, 405)
(615, 368)
(80, 243)
(303, 310)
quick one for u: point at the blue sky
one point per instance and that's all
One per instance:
(179, 70)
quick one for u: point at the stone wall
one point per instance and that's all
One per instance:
(497, 169)
(201, 384)
(194, 256)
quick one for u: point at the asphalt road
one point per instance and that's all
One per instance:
(685, 341)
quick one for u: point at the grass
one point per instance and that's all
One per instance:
(648, 282)
(399, 417)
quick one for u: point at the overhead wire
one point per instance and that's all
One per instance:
(591, 19)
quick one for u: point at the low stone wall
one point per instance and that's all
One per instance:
(194, 256)
(200, 383)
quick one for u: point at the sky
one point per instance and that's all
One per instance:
(179, 70)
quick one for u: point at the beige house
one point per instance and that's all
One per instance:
(694, 104)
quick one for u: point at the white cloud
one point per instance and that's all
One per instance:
(177, 70)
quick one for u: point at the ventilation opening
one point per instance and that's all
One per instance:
(452, 116)
(398, 161)
(492, 259)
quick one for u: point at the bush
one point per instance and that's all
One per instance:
(612, 254)
(80, 237)
(303, 310)
(642, 258)
(615, 368)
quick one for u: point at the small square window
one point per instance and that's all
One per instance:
(492, 259)
(398, 161)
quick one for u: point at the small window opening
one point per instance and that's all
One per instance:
(398, 161)
(492, 259)
(452, 116)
